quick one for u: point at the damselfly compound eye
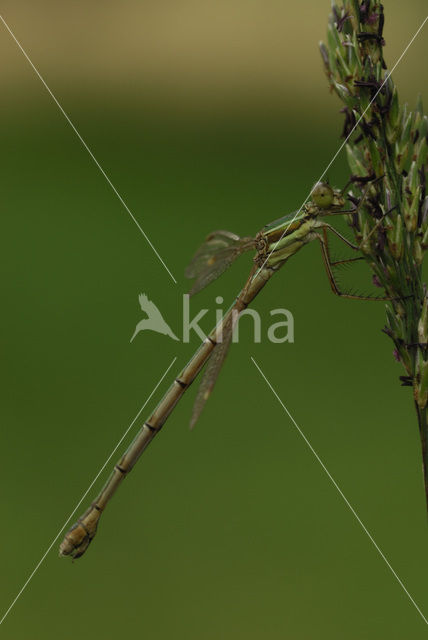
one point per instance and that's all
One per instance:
(323, 195)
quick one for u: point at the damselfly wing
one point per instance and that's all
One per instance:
(212, 370)
(218, 252)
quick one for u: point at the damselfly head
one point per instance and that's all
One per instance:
(323, 195)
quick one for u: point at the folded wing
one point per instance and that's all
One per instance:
(219, 251)
(213, 369)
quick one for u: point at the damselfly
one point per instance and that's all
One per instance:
(274, 245)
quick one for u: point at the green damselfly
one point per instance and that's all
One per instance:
(274, 245)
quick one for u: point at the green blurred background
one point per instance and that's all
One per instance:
(205, 115)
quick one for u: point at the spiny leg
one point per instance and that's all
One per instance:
(350, 244)
(336, 262)
(330, 275)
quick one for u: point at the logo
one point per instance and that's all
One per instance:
(277, 332)
(154, 320)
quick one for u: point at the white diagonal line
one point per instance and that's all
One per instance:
(121, 200)
(38, 565)
(347, 138)
(339, 490)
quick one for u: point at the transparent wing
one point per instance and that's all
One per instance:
(219, 251)
(212, 371)
(289, 217)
